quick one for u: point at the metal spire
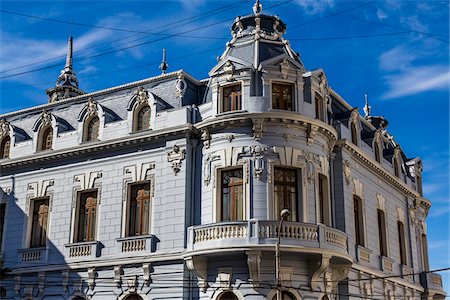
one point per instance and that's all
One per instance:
(257, 8)
(163, 66)
(367, 107)
(69, 56)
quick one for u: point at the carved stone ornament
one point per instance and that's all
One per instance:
(147, 270)
(176, 157)
(206, 138)
(347, 172)
(254, 266)
(142, 95)
(228, 69)
(92, 274)
(4, 128)
(284, 68)
(65, 280)
(133, 283)
(118, 272)
(258, 162)
(41, 284)
(91, 107)
(258, 129)
(199, 265)
(311, 133)
(46, 118)
(229, 137)
(180, 86)
(224, 278)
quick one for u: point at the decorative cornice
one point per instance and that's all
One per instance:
(376, 168)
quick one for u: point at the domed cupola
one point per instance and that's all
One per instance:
(256, 40)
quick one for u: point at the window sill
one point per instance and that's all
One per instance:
(407, 273)
(84, 249)
(363, 254)
(386, 264)
(138, 243)
(30, 255)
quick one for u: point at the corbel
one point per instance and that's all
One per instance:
(17, 284)
(254, 266)
(118, 272)
(147, 268)
(41, 284)
(199, 266)
(65, 280)
(311, 132)
(92, 274)
(318, 268)
(224, 277)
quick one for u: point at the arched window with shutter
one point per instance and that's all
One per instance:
(143, 118)
(5, 146)
(92, 129)
(46, 139)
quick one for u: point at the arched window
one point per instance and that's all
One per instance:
(92, 129)
(285, 296)
(228, 296)
(133, 297)
(354, 134)
(396, 167)
(377, 152)
(47, 139)
(143, 118)
(4, 147)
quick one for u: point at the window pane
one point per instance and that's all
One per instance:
(358, 220)
(5, 146)
(401, 241)
(39, 223)
(92, 129)
(143, 120)
(232, 200)
(382, 232)
(47, 139)
(282, 96)
(285, 189)
(319, 108)
(87, 216)
(139, 204)
(231, 98)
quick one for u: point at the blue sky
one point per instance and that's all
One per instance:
(396, 51)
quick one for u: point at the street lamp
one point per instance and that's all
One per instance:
(283, 214)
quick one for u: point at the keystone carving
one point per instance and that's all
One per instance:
(228, 69)
(284, 66)
(141, 95)
(176, 157)
(347, 172)
(258, 162)
(258, 129)
(91, 107)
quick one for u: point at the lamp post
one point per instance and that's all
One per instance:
(283, 214)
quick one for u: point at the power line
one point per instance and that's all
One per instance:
(350, 37)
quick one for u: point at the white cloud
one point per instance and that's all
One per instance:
(416, 80)
(438, 211)
(315, 6)
(397, 58)
(381, 15)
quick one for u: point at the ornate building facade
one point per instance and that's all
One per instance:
(172, 188)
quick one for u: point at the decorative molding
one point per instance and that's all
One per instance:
(176, 157)
(258, 161)
(258, 128)
(254, 266)
(91, 107)
(199, 265)
(87, 180)
(224, 277)
(284, 68)
(318, 268)
(133, 283)
(92, 274)
(206, 138)
(228, 69)
(141, 96)
(4, 128)
(17, 284)
(347, 172)
(229, 137)
(41, 284)
(288, 156)
(39, 188)
(358, 188)
(118, 272)
(381, 202)
(147, 270)
(65, 280)
(180, 86)
(311, 132)
(139, 172)
(401, 215)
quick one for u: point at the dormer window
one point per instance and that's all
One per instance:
(283, 96)
(319, 108)
(92, 129)
(4, 147)
(143, 118)
(231, 98)
(46, 139)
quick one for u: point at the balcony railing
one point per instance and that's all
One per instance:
(83, 250)
(33, 255)
(255, 232)
(137, 244)
(432, 281)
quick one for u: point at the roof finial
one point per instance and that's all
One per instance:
(69, 56)
(367, 107)
(257, 8)
(163, 66)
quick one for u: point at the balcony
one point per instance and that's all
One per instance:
(33, 255)
(433, 282)
(83, 250)
(133, 244)
(255, 233)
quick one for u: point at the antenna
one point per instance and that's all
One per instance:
(367, 107)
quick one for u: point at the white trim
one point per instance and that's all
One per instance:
(295, 105)
(220, 95)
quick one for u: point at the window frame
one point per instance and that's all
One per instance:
(5, 140)
(30, 226)
(294, 215)
(220, 210)
(86, 126)
(403, 255)
(222, 95)
(319, 107)
(76, 216)
(383, 245)
(136, 113)
(127, 210)
(43, 138)
(358, 221)
(294, 94)
(323, 203)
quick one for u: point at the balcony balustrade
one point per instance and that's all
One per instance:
(259, 233)
(33, 255)
(83, 250)
(143, 243)
(432, 281)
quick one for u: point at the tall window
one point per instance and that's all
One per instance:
(2, 221)
(319, 108)
(354, 134)
(47, 139)
(377, 152)
(228, 296)
(396, 167)
(231, 98)
(39, 223)
(143, 118)
(426, 267)
(92, 129)
(401, 242)
(86, 216)
(283, 96)
(285, 189)
(358, 215)
(382, 232)
(323, 203)
(232, 200)
(139, 209)
(4, 147)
